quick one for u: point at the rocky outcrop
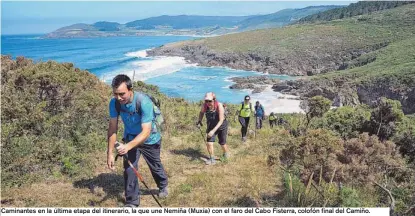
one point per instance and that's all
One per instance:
(342, 91)
(368, 94)
(257, 83)
(295, 64)
(345, 92)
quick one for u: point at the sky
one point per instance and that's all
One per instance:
(18, 17)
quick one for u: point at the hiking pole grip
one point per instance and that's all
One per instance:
(116, 145)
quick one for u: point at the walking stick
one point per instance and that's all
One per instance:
(117, 144)
(256, 124)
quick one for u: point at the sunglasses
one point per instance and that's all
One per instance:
(208, 101)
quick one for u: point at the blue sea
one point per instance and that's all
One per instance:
(107, 57)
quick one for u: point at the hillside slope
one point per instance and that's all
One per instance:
(354, 9)
(300, 49)
(282, 17)
(54, 121)
(368, 50)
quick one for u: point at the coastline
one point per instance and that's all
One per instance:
(272, 100)
(277, 102)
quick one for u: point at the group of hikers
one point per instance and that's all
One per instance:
(142, 135)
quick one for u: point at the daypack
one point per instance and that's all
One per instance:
(242, 107)
(260, 107)
(225, 109)
(158, 117)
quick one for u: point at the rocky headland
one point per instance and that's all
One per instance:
(350, 61)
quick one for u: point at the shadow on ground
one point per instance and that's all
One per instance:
(193, 154)
(111, 183)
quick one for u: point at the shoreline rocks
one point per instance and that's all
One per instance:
(257, 83)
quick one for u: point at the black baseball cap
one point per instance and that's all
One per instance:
(247, 97)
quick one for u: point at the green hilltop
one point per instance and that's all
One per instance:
(354, 9)
(358, 53)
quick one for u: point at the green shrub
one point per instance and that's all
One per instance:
(347, 121)
(385, 115)
(315, 107)
(52, 114)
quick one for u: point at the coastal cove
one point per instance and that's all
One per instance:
(106, 57)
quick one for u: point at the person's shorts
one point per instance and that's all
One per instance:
(222, 134)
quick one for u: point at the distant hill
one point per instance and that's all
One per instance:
(282, 17)
(107, 26)
(78, 27)
(187, 24)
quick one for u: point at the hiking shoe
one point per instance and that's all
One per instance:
(211, 161)
(129, 205)
(163, 193)
(243, 139)
(226, 155)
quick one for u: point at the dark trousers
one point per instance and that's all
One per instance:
(151, 154)
(272, 123)
(258, 121)
(244, 121)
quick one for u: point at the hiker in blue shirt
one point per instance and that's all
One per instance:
(141, 137)
(259, 114)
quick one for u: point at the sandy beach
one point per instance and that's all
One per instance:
(277, 102)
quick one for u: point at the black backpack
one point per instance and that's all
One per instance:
(158, 117)
(242, 106)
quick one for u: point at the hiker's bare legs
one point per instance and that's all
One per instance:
(211, 159)
(209, 147)
(225, 148)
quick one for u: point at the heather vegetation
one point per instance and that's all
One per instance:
(54, 120)
(354, 9)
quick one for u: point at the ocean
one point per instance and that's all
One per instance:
(107, 57)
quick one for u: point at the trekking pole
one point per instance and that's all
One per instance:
(117, 144)
(201, 133)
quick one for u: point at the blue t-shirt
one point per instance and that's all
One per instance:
(259, 111)
(132, 120)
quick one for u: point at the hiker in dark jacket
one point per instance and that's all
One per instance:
(141, 137)
(216, 125)
(259, 114)
(272, 120)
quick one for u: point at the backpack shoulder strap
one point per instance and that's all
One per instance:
(140, 97)
(117, 106)
(242, 106)
(205, 107)
(216, 106)
(137, 104)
